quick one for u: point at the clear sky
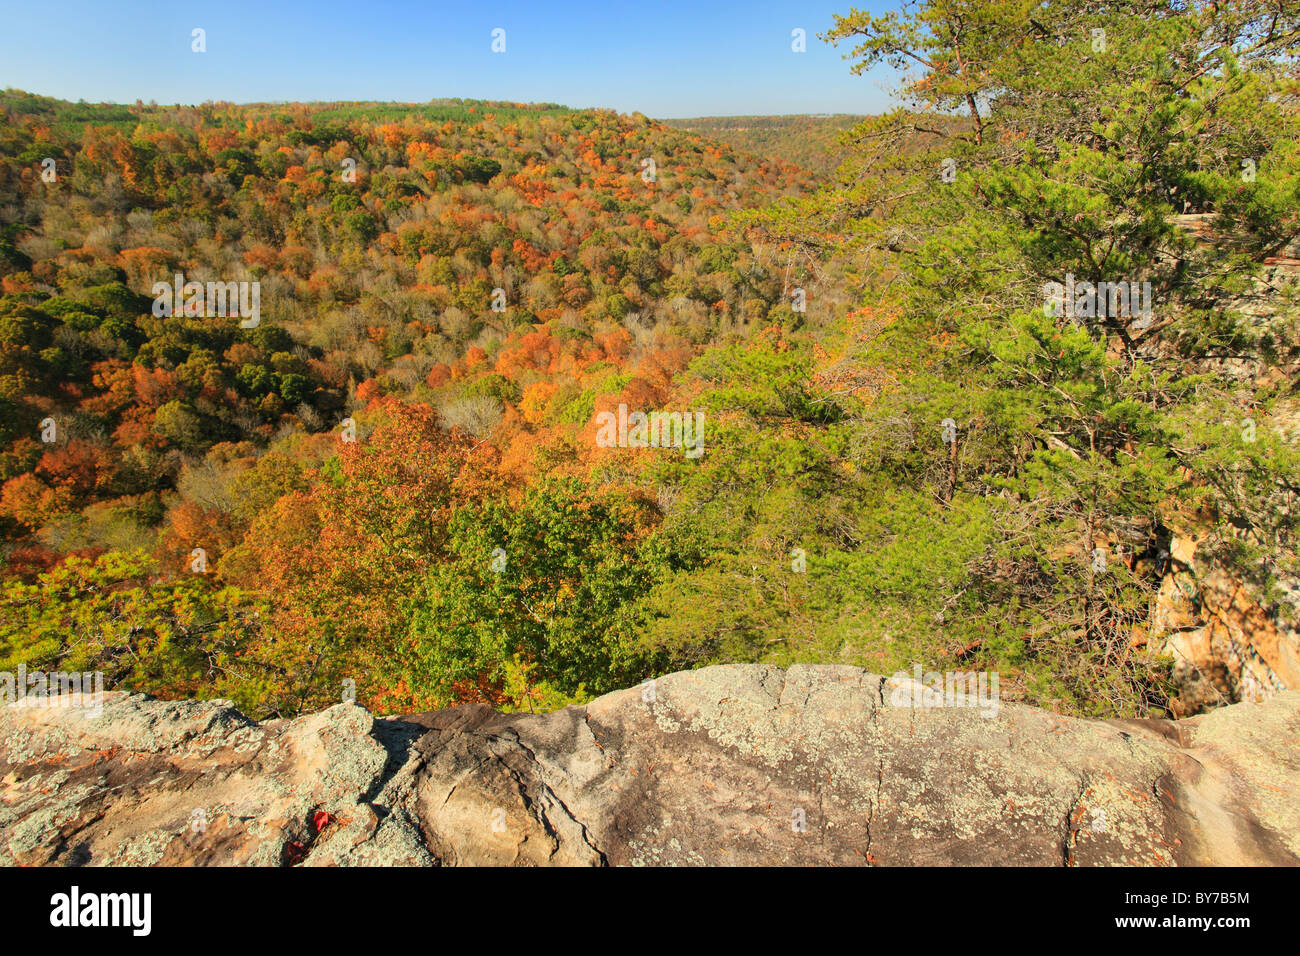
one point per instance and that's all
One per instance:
(666, 58)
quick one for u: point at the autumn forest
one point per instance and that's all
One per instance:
(405, 477)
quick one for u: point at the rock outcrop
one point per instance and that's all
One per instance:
(1226, 644)
(725, 765)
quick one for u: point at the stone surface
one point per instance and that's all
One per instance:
(740, 764)
(1226, 645)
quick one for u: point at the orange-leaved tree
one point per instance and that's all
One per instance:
(341, 560)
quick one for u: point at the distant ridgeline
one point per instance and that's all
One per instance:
(811, 142)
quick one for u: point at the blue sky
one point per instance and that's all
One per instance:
(667, 58)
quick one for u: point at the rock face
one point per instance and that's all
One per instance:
(737, 764)
(1226, 645)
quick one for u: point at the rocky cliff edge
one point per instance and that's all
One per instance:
(740, 764)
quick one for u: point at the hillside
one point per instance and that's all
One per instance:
(494, 269)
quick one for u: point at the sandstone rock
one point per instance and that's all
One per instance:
(1227, 646)
(739, 764)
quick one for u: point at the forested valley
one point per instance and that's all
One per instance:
(391, 480)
